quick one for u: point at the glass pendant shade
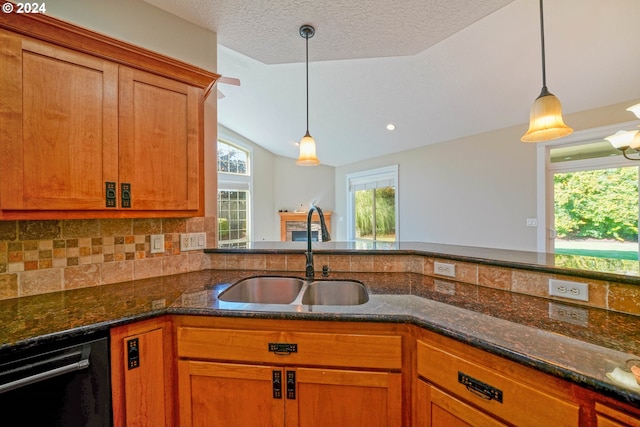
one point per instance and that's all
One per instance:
(625, 139)
(635, 109)
(545, 121)
(307, 155)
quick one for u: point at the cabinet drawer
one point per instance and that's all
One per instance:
(607, 416)
(312, 348)
(505, 397)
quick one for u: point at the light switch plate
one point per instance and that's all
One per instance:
(157, 243)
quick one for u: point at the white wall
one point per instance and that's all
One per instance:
(144, 25)
(461, 192)
(278, 183)
(299, 186)
(473, 191)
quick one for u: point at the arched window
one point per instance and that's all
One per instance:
(234, 195)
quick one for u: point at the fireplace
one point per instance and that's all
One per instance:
(301, 236)
(293, 226)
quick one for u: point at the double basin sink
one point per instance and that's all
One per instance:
(293, 290)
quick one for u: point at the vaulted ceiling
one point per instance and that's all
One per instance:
(437, 69)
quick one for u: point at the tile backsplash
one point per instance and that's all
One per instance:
(46, 256)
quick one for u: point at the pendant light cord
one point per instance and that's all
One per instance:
(544, 73)
(307, 60)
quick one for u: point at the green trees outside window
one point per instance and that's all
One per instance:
(596, 213)
(375, 212)
(598, 204)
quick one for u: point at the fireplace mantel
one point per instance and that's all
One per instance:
(291, 218)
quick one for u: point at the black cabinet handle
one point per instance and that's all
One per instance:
(480, 389)
(110, 194)
(133, 353)
(291, 385)
(282, 348)
(125, 195)
(277, 383)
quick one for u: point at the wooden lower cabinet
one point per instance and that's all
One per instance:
(460, 385)
(608, 416)
(227, 395)
(219, 371)
(438, 408)
(142, 374)
(240, 382)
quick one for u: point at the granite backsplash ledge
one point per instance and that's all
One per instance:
(37, 257)
(514, 271)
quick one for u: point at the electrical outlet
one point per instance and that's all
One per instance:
(569, 314)
(444, 269)
(448, 288)
(571, 290)
(193, 241)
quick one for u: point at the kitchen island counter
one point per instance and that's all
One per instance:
(582, 348)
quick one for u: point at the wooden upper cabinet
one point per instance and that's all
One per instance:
(59, 126)
(160, 129)
(84, 117)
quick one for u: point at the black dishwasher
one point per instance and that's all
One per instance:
(61, 383)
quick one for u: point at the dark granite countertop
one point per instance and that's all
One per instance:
(522, 328)
(623, 271)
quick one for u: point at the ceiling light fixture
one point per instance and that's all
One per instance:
(627, 139)
(307, 155)
(391, 126)
(545, 121)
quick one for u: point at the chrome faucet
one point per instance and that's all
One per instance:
(325, 238)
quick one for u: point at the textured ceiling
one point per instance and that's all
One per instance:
(438, 69)
(347, 29)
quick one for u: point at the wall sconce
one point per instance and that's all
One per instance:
(627, 139)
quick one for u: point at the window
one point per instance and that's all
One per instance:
(234, 195)
(373, 205)
(593, 204)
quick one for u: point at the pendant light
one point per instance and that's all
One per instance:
(545, 121)
(307, 155)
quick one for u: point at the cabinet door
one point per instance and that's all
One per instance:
(160, 130)
(332, 397)
(141, 374)
(436, 408)
(227, 395)
(58, 126)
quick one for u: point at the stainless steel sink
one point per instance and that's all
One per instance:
(335, 292)
(264, 290)
(295, 291)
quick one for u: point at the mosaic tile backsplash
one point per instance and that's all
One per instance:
(37, 257)
(45, 256)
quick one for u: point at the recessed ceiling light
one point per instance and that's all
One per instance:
(391, 126)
